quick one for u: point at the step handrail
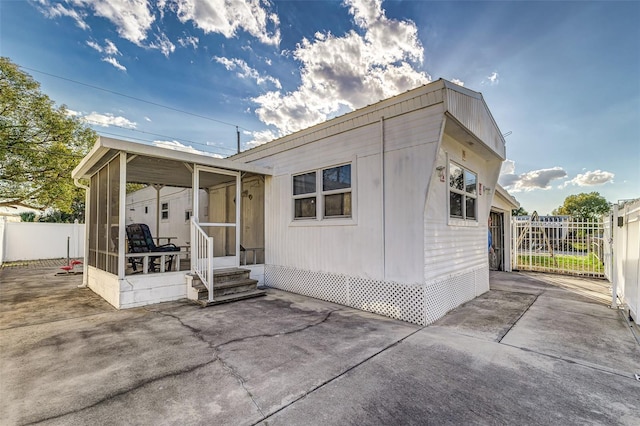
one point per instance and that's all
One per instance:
(202, 256)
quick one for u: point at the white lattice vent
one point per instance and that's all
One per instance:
(445, 295)
(399, 301)
(412, 303)
(482, 280)
(330, 287)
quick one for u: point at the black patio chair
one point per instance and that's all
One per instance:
(141, 241)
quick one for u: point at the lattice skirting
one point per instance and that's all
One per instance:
(418, 304)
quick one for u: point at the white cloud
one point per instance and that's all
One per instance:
(226, 17)
(72, 113)
(57, 10)
(351, 71)
(178, 146)
(529, 181)
(597, 177)
(113, 61)
(260, 137)
(163, 44)
(107, 120)
(245, 71)
(110, 48)
(94, 45)
(493, 79)
(147, 119)
(132, 18)
(458, 82)
(187, 41)
(508, 167)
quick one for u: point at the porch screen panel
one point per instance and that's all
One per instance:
(93, 220)
(104, 217)
(114, 212)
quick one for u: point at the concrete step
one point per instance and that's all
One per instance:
(221, 276)
(229, 285)
(232, 298)
(226, 288)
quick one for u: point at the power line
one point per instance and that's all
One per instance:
(133, 97)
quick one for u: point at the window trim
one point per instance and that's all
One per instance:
(464, 220)
(164, 210)
(320, 219)
(305, 195)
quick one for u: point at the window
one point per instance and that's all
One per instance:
(146, 209)
(304, 196)
(336, 191)
(330, 188)
(165, 211)
(187, 215)
(463, 193)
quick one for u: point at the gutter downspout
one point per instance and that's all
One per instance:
(384, 220)
(87, 190)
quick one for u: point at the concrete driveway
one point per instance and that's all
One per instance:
(527, 352)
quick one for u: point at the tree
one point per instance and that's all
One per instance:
(520, 211)
(40, 144)
(28, 217)
(583, 206)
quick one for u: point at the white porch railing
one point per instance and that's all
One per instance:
(164, 259)
(202, 256)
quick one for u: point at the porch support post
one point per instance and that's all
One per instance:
(122, 194)
(238, 210)
(613, 222)
(87, 227)
(195, 187)
(158, 189)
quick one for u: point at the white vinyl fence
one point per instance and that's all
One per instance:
(624, 228)
(37, 240)
(559, 245)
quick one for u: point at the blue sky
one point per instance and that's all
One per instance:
(562, 77)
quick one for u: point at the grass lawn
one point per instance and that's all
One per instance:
(587, 263)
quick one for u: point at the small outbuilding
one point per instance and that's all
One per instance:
(384, 209)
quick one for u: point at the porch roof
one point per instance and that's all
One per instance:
(506, 197)
(165, 160)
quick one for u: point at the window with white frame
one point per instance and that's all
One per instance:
(165, 211)
(463, 193)
(324, 193)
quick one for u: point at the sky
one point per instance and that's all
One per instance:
(562, 79)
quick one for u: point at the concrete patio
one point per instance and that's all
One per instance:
(536, 349)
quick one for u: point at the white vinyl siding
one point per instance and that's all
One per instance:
(343, 245)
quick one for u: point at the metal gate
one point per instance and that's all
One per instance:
(559, 244)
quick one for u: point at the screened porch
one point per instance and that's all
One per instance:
(222, 225)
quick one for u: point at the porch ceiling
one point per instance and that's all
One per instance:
(149, 170)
